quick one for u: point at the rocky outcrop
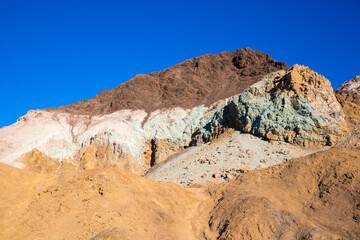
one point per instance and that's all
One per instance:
(351, 85)
(297, 106)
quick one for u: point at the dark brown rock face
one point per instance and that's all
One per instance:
(201, 80)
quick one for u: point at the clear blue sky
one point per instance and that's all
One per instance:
(54, 53)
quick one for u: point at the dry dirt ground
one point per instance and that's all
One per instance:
(314, 197)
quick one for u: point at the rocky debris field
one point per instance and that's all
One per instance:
(223, 159)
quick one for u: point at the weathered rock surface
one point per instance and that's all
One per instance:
(297, 106)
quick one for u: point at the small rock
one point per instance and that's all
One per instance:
(216, 175)
(263, 160)
(244, 169)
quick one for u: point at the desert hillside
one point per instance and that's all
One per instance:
(228, 146)
(314, 197)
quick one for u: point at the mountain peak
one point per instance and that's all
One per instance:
(198, 81)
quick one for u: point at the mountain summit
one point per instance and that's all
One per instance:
(201, 80)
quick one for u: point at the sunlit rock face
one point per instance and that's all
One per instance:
(297, 106)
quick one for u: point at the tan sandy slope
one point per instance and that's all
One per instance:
(81, 205)
(315, 197)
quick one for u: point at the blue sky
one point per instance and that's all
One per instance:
(54, 53)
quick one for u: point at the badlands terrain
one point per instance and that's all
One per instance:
(228, 146)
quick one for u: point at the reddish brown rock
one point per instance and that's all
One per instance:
(201, 80)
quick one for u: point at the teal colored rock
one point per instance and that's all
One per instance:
(259, 115)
